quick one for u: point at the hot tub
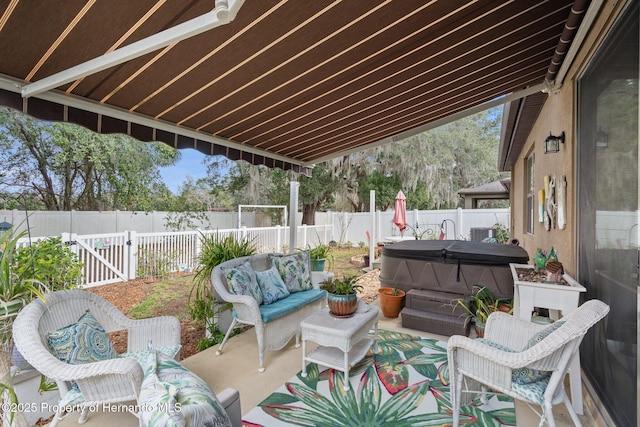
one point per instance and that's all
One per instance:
(451, 266)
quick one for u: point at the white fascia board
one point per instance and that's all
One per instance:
(219, 16)
(437, 123)
(58, 97)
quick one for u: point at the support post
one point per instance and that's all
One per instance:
(373, 237)
(293, 212)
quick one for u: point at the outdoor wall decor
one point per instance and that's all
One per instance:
(550, 207)
(562, 197)
(552, 202)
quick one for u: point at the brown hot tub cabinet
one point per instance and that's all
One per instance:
(435, 272)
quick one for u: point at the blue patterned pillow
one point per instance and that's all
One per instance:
(271, 285)
(82, 342)
(294, 270)
(242, 281)
(543, 334)
(139, 356)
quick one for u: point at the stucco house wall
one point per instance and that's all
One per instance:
(558, 114)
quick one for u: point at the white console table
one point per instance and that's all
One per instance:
(560, 300)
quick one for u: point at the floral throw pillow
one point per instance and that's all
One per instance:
(242, 281)
(83, 342)
(173, 396)
(271, 285)
(294, 270)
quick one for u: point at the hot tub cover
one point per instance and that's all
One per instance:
(454, 251)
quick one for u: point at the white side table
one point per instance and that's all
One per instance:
(559, 299)
(342, 342)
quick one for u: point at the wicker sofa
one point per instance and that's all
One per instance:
(275, 324)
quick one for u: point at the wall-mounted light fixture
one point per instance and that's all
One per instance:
(552, 143)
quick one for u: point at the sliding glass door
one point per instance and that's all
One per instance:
(608, 214)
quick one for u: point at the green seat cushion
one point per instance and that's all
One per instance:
(291, 303)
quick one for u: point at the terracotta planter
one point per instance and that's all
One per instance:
(342, 305)
(391, 305)
(479, 327)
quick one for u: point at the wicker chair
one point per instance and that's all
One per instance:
(476, 361)
(105, 382)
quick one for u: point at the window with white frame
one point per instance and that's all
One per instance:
(531, 193)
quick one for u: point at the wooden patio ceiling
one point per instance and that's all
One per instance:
(286, 83)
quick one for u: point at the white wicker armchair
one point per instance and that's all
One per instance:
(472, 360)
(109, 381)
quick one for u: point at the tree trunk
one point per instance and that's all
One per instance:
(309, 214)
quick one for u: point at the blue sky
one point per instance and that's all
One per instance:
(190, 164)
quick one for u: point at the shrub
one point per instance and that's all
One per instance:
(49, 261)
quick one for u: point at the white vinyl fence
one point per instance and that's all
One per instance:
(126, 255)
(117, 257)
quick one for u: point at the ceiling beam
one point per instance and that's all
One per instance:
(225, 11)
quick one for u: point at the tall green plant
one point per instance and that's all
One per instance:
(215, 250)
(16, 290)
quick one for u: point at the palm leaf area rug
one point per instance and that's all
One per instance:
(405, 384)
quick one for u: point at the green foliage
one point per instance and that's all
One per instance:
(155, 262)
(163, 293)
(214, 251)
(49, 261)
(15, 286)
(386, 187)
(75, 168)
(345, 286)
(502, 233)
(481, 304)
(321, 251)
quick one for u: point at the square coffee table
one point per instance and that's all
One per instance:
(342, 342)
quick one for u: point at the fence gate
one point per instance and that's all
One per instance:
(106, 257)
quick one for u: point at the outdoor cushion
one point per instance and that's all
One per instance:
(539, 336)
(172, 395)
(140, 356)
(521, 376)
(83, 342)
(291, 303)
(271, 285)
(533, 391)
(294, 270)
(242, 281)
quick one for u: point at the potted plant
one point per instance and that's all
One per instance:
(16, 290)
(391, 301)
(319, 255)
(480, 305)
(342, 297)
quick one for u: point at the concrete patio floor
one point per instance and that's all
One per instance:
(237, 367)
